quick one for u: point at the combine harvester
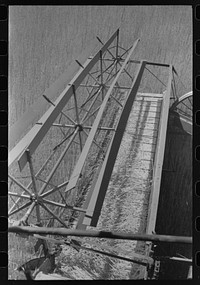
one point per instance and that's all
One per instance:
(72, 135)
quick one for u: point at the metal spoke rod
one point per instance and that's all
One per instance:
(20, 185)
(66, 116)
(58, 162)
(33, 183)
(51, 191)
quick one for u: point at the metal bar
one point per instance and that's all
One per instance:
(85, 119)
(58, 162)
(65, 139)
(64, 206)
(176, 96)
(81, 161)
(18, 195)
(109, 74)
(107, 86)
(77, 116)
(35, 136)
(19, 209)
(144, 263)
(159, 156)
(107, 49)
(99, 189)
(101, 68)
(112, 255)
(107, 67)
(174, 258)
(100, 128)
(117, 46)
(156, 77)
(20, 185)
(113, 75)
(101, 74)
(88, 72)
(116, 100)
(126, 50)
(158, 64)
(33, 183)
(90, 97)
(28, 213)
(59, 123)
(190, 101)
(101, 234)
(126, 72)
(76, 105)
(66, 116)
(63, 126)
(52, 214)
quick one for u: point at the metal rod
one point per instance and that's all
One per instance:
(58, 162)
(20, 185)
(107, 48)
(54, 189)
(52, 214)
(90, 115)
(112, 255)
(109, 74)
(77, 116)
(174, 258)
(85, 117)
(64, 206)
(65, 139)
(144, 263)
(88, 72)
(90, 97)
(126, 71)
(19, 209)
(156, 77)
(102, 234)
(76, 105)
(113, 75)
(66, 116)
(34, 184)
(107, 67)
(18, 195)
(126, 50)
(101, 74)
(116, 100)
(28, 213)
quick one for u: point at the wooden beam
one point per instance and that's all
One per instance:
(100, 234)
